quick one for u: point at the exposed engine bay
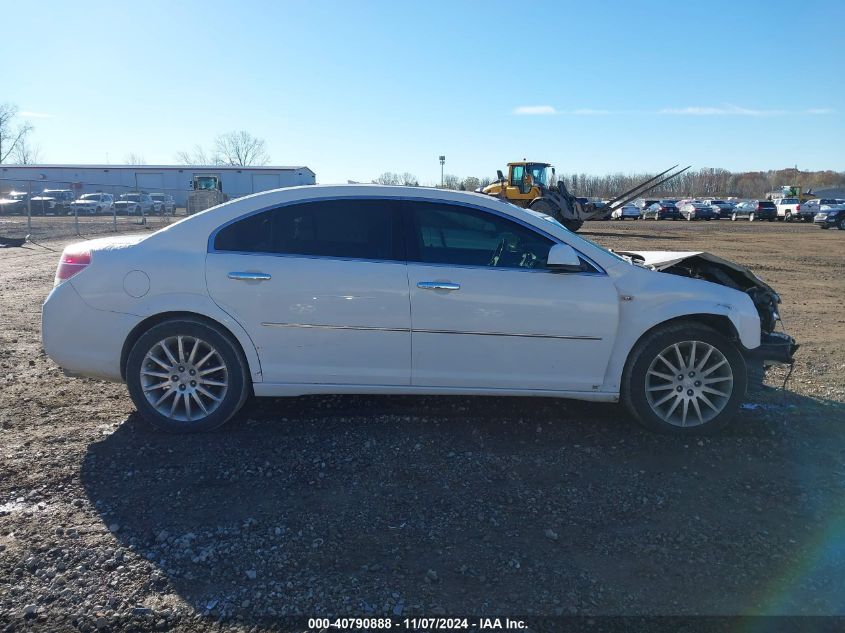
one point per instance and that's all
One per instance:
(700, 265)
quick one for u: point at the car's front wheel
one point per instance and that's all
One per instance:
(684, 378)
(186, 376)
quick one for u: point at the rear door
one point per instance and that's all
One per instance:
(322, 289)
(486, 313)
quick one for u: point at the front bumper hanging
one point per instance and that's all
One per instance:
(775, 347)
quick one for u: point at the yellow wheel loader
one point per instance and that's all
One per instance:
(532, 185)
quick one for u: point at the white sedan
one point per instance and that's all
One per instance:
(404, 290)
(629, 210)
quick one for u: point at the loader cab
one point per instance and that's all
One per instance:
(526, 181)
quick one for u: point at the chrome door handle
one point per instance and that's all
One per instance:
(249, 276)
(438, 285)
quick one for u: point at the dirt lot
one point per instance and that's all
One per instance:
(422, 505)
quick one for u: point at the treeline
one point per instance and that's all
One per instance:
(704, 182)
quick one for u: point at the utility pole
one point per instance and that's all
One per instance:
(442, 162)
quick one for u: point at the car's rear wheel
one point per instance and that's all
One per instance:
(186, 376)
(841, 224)
(684, 378)
(750, 217)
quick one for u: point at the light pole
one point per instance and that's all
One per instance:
(442, 162)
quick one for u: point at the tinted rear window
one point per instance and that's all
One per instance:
(355, 229)
(766, 205)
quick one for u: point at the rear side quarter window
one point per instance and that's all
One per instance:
(347, 228)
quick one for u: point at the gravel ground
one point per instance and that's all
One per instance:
(423, 505)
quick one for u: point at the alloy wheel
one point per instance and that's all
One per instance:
(184, 378)
(689, 383)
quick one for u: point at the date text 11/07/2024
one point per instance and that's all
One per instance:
(417, 624)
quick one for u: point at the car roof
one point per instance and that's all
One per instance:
(289, 195)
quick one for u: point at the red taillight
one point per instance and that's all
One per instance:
(759, 207)
(797, 207)
(70, 263)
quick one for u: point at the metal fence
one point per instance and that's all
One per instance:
(26, 210)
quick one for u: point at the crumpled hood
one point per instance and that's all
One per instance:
(660, 260)
(709, 267)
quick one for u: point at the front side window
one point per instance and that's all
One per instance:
(352, 229)
(447, 234)
(517, 174)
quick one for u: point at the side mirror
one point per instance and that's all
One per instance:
(563, 258)
(500, 174)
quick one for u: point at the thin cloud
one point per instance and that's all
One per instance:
(547, 110)
(35, 115)
(734, 110)
(533, 110)
(699, 111)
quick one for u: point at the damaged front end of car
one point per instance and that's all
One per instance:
(775, 347)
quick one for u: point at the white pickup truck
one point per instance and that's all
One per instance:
(788, 209)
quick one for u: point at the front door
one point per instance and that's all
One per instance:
(322, 289)
(486, 313)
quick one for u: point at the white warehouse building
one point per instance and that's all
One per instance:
(176, 180)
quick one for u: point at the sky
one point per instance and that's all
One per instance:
(353, 89)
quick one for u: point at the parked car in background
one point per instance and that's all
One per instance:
(14, 203)
(628, 211)
(789, 209)
(697, 211)
(755, 210)
(643, 204)
(329, 289)
(163, 203)
(52, 202)
(92, 204)
(811, 208)
(134, 204)
(661, 210)
(720, 207)
(831, 215)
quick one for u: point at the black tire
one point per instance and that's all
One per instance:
(230, 354)
(788, 216)
(841, 224)
(633, 391)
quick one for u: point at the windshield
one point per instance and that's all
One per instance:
(132, 197)
(90, 196)
(17, 196)
(206, 182)
(541, 174)
(157, 197)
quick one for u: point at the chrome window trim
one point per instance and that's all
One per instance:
(599, 270)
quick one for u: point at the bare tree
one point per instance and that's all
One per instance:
(470, 183)
(240, 149)
(197, 156)
(11, 135)
(409, 179)
(27, 153)
(451, 181)
(133, 158)
(388, 178)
